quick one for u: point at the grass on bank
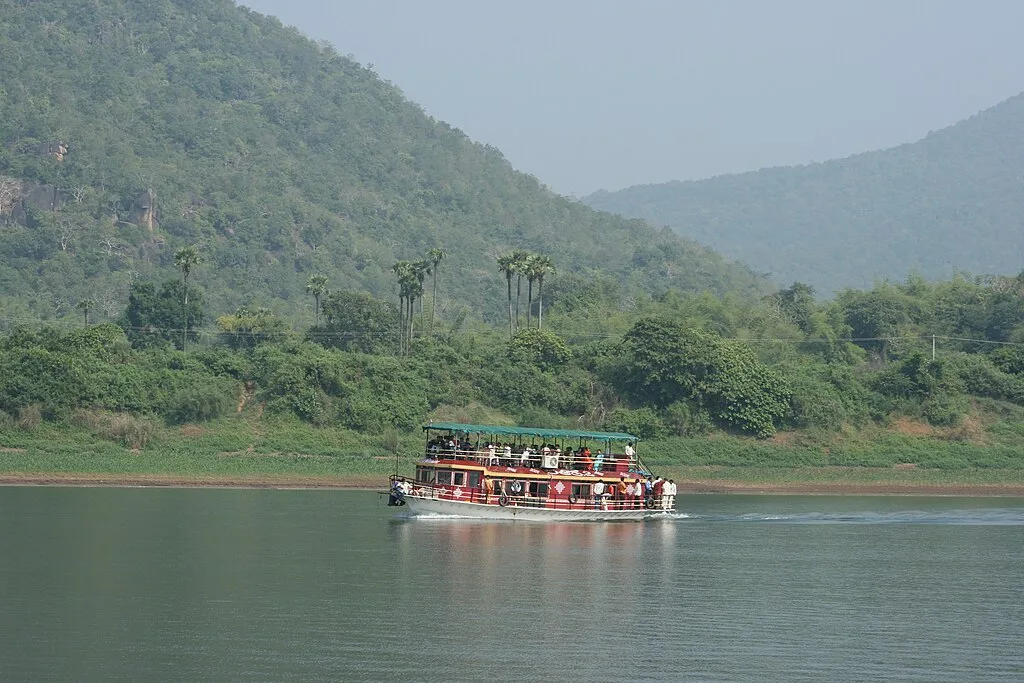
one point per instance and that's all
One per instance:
(260, 447)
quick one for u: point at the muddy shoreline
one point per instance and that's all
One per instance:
(380, 483)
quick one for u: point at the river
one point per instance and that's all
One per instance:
(263, 585)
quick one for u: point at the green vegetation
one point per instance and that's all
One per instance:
(133, 129)
(706, 382)
(854, 221)
(181, 181)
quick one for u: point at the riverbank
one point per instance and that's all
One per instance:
(280, 454)
(373, 482)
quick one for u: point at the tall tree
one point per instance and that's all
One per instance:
(506, 265)
(317, 286)
(531, 276)
(542, 265)
(402, 271)
(185, 259)
(86, 305)
(520, 260)
(435, 255)
(420, 270)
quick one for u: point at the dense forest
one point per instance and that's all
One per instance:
(132, 128)
(949, 203)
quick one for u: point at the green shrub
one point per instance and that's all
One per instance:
(683, 419)
(817, 405)
(29, 417)
(642, 422)
(944, 410)
(128, 430)
(197, 403)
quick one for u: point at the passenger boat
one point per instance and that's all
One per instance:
(530, 473)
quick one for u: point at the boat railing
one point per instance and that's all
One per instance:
(608, 502)
(615, 462)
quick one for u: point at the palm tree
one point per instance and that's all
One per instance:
(403, 271)
(530, 271)
(414, 290)
(435, 256)
(520, 260)
(420, 270)
(506, 265)
(185, 259)
(86, 305)
(317, 286)
(542, 265)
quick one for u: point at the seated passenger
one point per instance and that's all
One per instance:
(566, 461)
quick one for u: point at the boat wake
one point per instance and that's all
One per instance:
(977, 517)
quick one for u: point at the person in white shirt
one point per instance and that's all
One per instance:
(599, 495)
(630, 452)
(668, 495)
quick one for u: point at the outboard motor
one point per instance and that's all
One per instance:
(397, 495)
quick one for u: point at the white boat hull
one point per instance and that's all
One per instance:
(419, 505)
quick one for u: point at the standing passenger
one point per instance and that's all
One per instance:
(598, 495)
(659, 492)
(669, 495)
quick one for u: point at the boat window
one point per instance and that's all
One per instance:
(459, 478)
(424, 474)
(581, 491)
(538, 489)
(474, 480)
(444, 477)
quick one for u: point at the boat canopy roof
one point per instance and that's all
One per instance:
(529, 431)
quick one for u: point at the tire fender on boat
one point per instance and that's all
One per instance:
(503, 500)
(573, 499)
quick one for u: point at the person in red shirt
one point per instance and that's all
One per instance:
(659, 484)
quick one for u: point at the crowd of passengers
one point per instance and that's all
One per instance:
(629, 493)
(533, 455)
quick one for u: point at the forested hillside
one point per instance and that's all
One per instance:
(173, 166)
(132, 128)
(952, 202)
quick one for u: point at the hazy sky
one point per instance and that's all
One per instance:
(591, 94)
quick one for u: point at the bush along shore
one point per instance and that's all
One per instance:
(773, 393)
(253, 451)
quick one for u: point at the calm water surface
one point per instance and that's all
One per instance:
(149, 584)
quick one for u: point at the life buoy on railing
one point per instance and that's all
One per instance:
(515, 487)
(503, 500)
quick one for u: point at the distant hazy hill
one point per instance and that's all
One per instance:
(953, 201)
(130, 128)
